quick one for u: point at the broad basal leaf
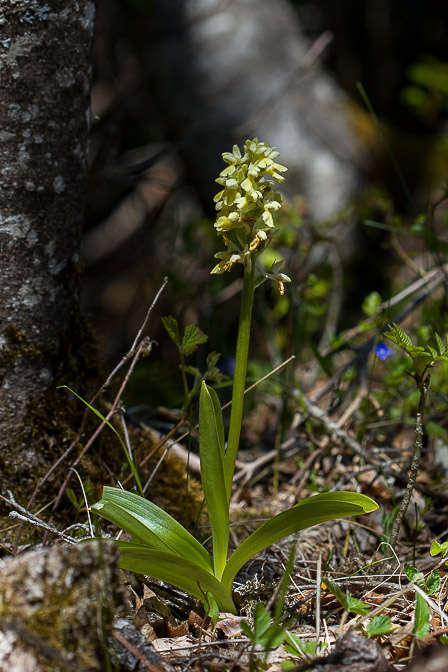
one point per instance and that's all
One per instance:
(311, 511)
(180, 572)
(211, 450)
(150, 525)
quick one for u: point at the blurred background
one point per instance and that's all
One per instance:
(355, 96)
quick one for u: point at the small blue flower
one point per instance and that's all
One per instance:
(383, 351)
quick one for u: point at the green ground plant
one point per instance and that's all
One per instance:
(423, 359)
(187, 345)
(160, 546)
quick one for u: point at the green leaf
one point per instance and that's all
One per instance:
(371, 303)
(414, 575)
(181, 572)
(73, 499)
(379, 625)
(211, 450)
(213, 373)
(440, 344)
(172, 327)
(193, 370)
(337, 592)
(410, 571)
(193, 337)
(262, 621)
(150, 525)
(302, 647)
(311, 511)
(437, 548)
(357, 607)
(399, 337)
(212, 359)
(211, 607)
(433, 352)
(265, 633)
(432, 584)
(421, 617)
(128, 457)
(349, 602)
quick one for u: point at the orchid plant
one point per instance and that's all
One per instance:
(160, 546)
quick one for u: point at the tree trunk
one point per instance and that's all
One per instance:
(45, 70)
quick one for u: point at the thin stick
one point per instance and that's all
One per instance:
(432, 604)
(430, 281)
(318, 599)
(28, 517)
(424, 385)
(129, 354)
(97, 432)
(89, 518)
(184, 436)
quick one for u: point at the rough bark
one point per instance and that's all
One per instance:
(45, 71)
(57, 608)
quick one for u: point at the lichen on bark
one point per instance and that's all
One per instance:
(57, 607)
(45, 70)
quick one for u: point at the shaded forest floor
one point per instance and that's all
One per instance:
(341, 415)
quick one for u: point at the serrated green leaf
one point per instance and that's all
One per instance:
(432, 584)
(314, 510)
(418, 351)
(337, 592)
(441, 358)
(355, 606)
(265, 632)
(193, 371)
(379, 625)
(440, 344)
(399, 337)
(211, 451)
(193, 337)
(172, 327)
(181, 572)
(150, 525)
(421, 617)
(414, 575)
(214, 375)
(432, 351)
(212, 359)
(349, 602)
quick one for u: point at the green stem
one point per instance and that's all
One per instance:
(184, 380)
(239, 380)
